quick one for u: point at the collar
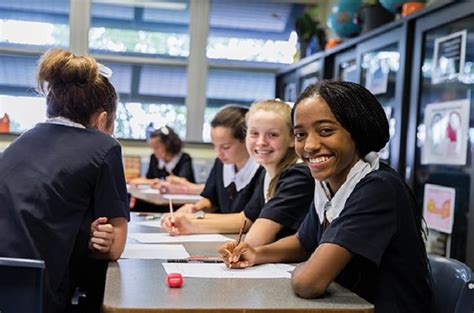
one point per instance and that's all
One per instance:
(60, 120)
(335, 206)
(266, 185)
(169, 166)
(243, 177)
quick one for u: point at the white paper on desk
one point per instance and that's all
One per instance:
(150, 191)
(148, 251)
(155, 223)
(166, 238)
(206, 270)
(182, 197)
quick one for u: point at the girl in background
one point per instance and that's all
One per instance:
(167, 159)
(364, 230)
(284, 191)
(67, 202)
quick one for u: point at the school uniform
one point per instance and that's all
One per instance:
(180, 165)
(229, 191)
(374, 220)
(290, 202)
(55, 180)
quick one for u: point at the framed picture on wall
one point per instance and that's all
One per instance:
(438, 207)
(449, 57)
(446, 136)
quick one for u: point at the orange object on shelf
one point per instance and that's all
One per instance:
(331, 43)
(411, 7)
(5, 124)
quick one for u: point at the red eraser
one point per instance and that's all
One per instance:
(174, 280)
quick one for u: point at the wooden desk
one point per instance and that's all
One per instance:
(156, 198)
(139, 286)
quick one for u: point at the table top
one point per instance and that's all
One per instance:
(153, 196)
(134, 285)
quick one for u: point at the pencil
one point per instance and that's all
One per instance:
(241, 232)
(171, 211)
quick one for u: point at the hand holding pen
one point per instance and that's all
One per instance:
(176, 224)
(238, 254)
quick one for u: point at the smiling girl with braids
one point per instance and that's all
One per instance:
(363, 230)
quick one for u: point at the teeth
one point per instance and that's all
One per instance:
(318, 159)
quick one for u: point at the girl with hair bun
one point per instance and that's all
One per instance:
(66, 203)
(363, 230)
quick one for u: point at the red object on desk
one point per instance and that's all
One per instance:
(5, 124)
(174, 280)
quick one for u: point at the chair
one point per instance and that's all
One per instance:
(21, 285)
(453, 286)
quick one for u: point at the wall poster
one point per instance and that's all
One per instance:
(438, 207)
(446, 137)
(449, 57)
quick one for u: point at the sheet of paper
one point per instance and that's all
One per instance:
(206, 270)
(166, 238)
(154, 223)
(138, 186)
(149, 251)
(182, 197)
(150, 191)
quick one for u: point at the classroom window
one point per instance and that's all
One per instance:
(251, 30)
(226, 86)
(248, 42)
(149, 95)
(24, 112)
(159, 28)
(33, 23)
(133, 118)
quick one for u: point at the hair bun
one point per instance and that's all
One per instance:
(58, 66)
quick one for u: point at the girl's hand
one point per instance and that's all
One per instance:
(166, 187)
(101, 235)
(177, 225)
(237, 256)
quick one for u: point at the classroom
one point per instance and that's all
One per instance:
(236, 156)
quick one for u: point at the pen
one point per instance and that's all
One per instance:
(241, 232)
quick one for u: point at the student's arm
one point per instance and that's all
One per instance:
(262, 232)
(183, 224)
(288, 249)
(179, 186)
(311, 278)
(203, 204)
(108, 237)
